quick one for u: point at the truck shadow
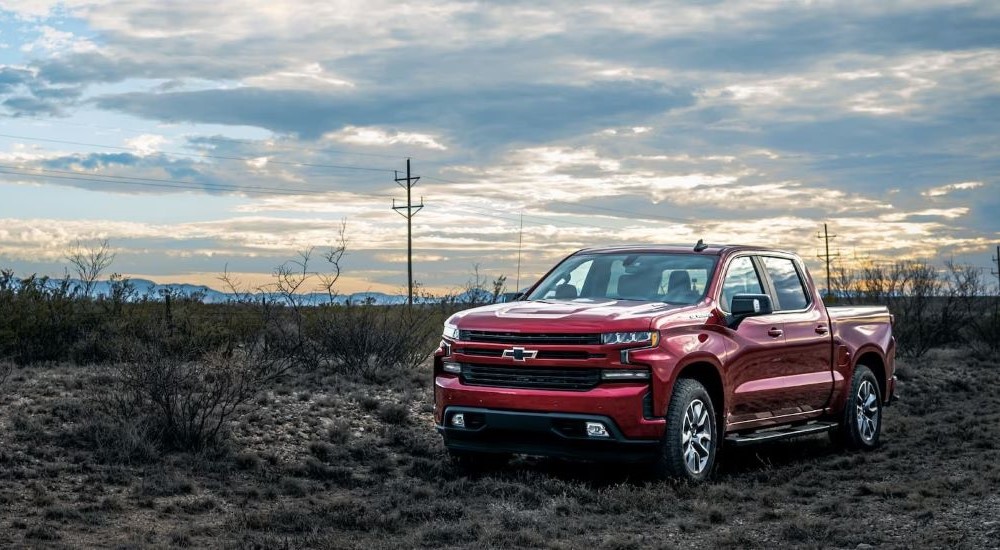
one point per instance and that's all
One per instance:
(734, 462)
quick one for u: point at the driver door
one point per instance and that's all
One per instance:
(756, 362)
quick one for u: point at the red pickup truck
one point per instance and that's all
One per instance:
(661, 354)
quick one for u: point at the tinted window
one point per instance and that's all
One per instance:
(787, 284)
(660, 277)
(740, 279)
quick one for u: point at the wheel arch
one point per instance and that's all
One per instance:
(708, 375)
(873, 359)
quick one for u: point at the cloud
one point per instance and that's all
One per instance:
(379, 137)
(736, 120)
(490, 115)
(31, 106)
(947, 189)
(146, 144)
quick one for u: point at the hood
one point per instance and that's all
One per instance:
(564, 316)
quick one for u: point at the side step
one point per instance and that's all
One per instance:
(775, 434)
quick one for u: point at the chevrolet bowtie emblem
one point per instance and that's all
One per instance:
(520, 354)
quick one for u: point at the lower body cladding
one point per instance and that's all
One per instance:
(565, 435)
(608, 422)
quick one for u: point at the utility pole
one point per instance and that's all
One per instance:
(997, 272)
(408, 212)
(826, 236)
(520, 234)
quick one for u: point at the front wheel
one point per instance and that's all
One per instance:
(861, 422)
(691, 441)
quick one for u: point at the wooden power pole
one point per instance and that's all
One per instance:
(408, 212)
(826, 236)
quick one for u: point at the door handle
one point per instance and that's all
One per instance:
(821, 329)
(774, 332)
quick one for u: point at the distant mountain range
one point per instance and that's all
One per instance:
(154, 291)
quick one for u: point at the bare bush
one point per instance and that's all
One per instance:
(984, 329)
(933, 308)
(185, 404)
(6, 367)
(369, 340)
(920, 325)
(479, 289)
(89, 262)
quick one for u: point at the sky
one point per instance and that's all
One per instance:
(202, 137)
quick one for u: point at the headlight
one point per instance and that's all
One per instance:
(650, 338)
(450, 331)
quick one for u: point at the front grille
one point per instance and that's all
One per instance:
(501, 376)
(542, 354)
(524, 338)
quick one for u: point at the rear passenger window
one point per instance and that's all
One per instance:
(740, 279)
(791, 293)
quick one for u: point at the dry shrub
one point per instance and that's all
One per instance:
(6, 367)
(370, 340)
(933, 307)
(186, 404)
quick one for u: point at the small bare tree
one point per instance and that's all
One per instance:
(480, 290)
(499, 286)
(333, 257)
(89, 262)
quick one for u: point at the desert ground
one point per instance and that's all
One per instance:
(326, 461)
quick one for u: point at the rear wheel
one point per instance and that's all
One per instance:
(691, 441)
(861, 422)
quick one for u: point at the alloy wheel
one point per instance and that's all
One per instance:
(867, 411)
(696, 437)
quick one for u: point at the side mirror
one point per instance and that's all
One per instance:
(749, 305)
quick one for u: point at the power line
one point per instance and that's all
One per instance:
(175, 183)
(201, 155)
(195, 187)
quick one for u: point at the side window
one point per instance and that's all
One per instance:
(740, 279)
(788, 286)
(571, 288)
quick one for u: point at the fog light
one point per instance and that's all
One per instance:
(597, 429)
(458, 420)
(455, 368)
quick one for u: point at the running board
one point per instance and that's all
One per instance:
(762, 436)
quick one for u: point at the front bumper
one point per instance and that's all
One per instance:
(541, 433)
(627, 404)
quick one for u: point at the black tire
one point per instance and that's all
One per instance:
(474, 462)
(853, 432)
(690, 407)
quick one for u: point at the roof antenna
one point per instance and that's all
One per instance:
(700, 246)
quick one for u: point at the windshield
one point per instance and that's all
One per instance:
(648, 277)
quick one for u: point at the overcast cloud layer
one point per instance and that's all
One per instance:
(199, 135)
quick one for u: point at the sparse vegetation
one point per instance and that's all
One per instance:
(933, 307)
(325, 472)
(264, 424)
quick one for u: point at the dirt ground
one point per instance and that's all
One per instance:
(325, 462)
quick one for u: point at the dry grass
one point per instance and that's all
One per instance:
(343, 463)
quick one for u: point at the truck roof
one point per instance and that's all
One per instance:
(710, 249)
